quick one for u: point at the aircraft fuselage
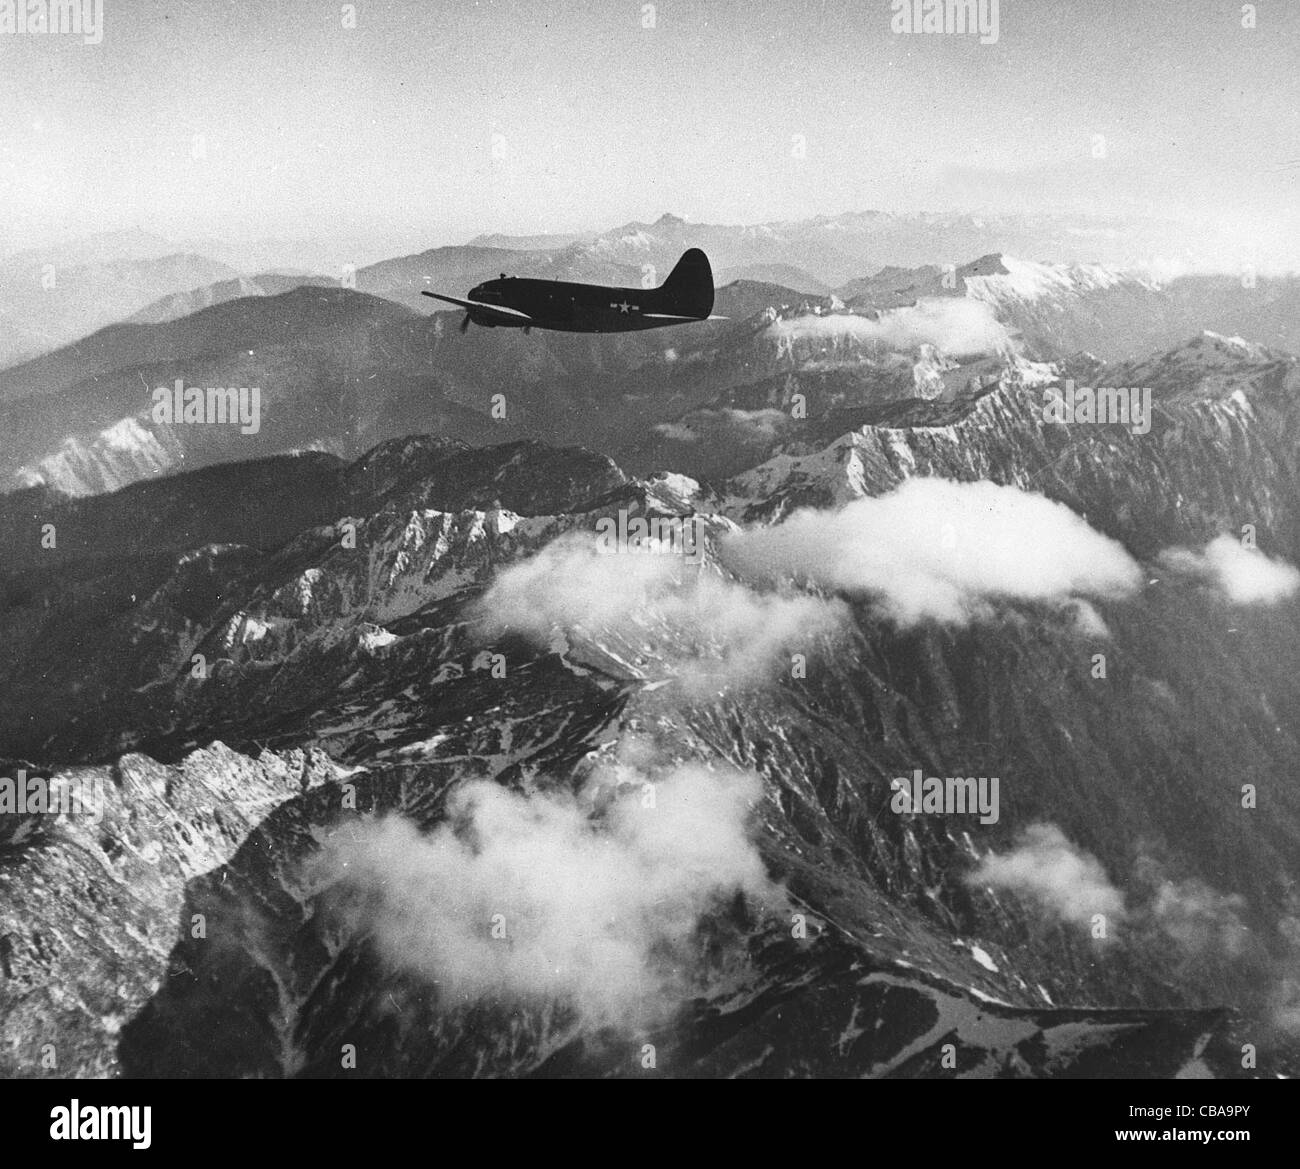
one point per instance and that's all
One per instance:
(575, 308)
(512, 302)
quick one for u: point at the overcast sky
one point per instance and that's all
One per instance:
(307, 127)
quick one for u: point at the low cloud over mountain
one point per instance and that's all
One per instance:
(591, 900)
(1242, 575)
(935, 549)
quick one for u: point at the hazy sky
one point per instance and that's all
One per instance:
(307, 127)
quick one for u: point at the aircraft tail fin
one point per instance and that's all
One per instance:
(688, 290)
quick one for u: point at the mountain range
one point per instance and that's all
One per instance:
(365, 666)
(403, 747)
(342, 368)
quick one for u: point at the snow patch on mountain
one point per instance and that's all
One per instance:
(1210, 365)
(1001, 280)
(120, 454)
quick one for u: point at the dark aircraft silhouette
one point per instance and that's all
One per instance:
(519, 303)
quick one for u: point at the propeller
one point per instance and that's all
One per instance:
(464, 325)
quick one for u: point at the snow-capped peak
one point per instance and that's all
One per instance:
(998, 279)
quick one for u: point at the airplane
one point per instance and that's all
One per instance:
(520, 303)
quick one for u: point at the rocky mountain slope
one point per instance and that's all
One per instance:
(259, 663)
(335, 369)
(341, 369)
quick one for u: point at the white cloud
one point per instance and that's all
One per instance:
(744, 425)
(943, 550)
(676, 431)
(1071, 884)
(598, 908)
(1199, 919)
(1046, 868)
(958, 326)
(706, 630)
(1244, 576)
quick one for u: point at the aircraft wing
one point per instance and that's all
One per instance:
(510, 314)
(674, 317)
